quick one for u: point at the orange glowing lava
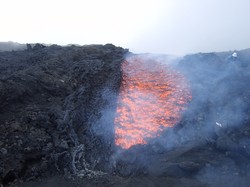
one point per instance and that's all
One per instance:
(152, 98)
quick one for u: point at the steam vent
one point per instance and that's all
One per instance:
(151, 98)
(98, 115)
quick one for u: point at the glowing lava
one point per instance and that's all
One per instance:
(152, 98)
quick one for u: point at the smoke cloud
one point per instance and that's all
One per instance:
(209, 143)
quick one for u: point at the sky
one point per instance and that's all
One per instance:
(155, 26)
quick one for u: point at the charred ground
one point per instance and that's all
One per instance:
(57, 109)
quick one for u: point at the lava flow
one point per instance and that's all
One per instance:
(152, 98)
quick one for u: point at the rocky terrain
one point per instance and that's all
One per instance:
(49, 99)
(57, 110)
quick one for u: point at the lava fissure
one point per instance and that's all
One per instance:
(151, 99)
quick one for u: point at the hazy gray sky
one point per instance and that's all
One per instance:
(157, 26)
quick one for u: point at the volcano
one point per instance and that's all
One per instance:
(152, 98)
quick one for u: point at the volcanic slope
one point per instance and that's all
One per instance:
(58, 109)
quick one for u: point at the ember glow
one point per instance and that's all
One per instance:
(151, 99)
